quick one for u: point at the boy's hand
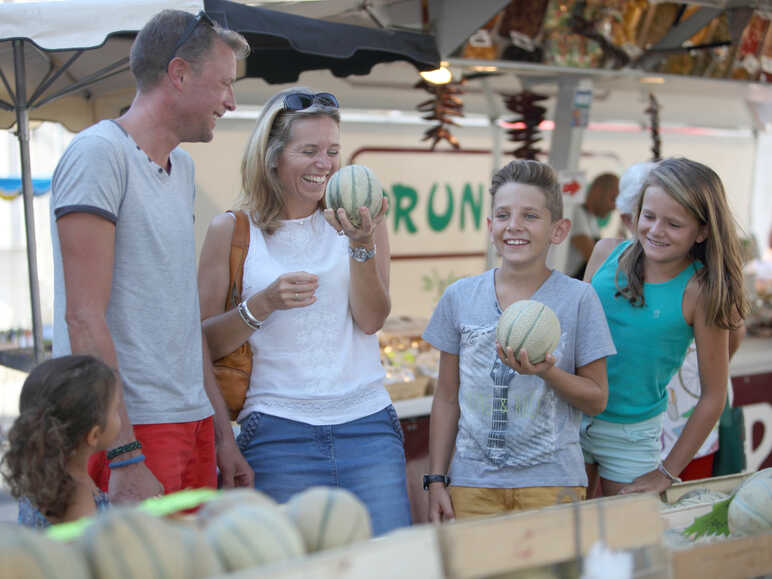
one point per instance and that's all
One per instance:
(523, 366)
(440, 506)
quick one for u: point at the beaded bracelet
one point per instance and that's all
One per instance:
(133, 445)
(674, 479)
(126, 462)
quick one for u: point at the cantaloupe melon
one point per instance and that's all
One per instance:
(750, 510)
(352, 187)
(204, 560)
(127, 543)
(531, 325)
(253, 535)
(230, 498)
(28, 554)
(329, 517)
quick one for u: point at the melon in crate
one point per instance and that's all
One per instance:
(28, 554)
(205, 561)
(230, 498)
(750, 510)
(352, 187)
(329, 517)
(253, 535)
(531, 325)
(128, 543)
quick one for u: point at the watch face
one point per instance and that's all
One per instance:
(361, 254)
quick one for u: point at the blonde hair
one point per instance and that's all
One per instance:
(698, 189)
(527, 172)
(261, 192)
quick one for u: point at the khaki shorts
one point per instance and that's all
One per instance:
(475, 502)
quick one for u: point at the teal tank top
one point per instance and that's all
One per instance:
(651, 341)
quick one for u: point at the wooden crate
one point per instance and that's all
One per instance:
(411, 552)
(724, 484)
(488, 546)
(741, 558)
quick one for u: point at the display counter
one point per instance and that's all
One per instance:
(751, 373)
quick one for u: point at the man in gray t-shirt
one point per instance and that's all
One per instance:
(125, 264)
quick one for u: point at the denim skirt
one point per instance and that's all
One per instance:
(365, 456)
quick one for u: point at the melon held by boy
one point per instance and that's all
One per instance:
(531, 325)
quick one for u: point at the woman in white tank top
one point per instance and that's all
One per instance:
(315, 291)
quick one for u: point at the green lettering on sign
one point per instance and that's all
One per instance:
(405, 200)
(474, 205)
(438, 222)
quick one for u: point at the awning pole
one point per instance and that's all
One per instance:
(492, 256)
(22, 129)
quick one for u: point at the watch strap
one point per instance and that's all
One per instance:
(433, 478)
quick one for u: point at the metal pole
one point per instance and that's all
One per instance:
(493, 117)
(22, 127)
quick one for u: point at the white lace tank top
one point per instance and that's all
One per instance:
(311, 364)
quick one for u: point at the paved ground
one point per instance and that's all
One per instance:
(8, 509)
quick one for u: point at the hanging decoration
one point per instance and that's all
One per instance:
(653, 111)
(445, 103)
(525, 131)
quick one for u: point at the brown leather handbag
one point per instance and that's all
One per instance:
(234, 370)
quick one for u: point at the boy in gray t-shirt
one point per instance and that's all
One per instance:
(514, 425)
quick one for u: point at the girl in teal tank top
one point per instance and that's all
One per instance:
(679, 278)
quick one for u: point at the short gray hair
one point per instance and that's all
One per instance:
(152, 49)
(631, 185)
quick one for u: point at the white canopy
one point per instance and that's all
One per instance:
(96, 34)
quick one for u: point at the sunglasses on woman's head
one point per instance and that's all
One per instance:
(299, 101)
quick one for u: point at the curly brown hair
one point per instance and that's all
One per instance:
(61, 400)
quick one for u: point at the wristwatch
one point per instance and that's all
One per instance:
(361, 254)
(433, 478)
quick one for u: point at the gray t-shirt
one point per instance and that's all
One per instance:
(153, 314)
(515, 431)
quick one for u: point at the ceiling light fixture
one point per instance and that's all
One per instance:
(440, 75)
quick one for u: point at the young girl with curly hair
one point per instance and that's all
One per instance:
(68, 410)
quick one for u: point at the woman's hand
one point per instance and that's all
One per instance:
(363, 234)
(289, 290)
(523, 366)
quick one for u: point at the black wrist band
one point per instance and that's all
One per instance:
(433, 478)
(115, 452)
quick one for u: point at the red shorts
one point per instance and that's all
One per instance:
(699, 468)
(181, 455)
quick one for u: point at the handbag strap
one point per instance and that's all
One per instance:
(239, 248)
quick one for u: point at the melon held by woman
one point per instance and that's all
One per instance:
(352, 187)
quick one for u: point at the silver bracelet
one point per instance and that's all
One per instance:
(247, 317)
(674, 479)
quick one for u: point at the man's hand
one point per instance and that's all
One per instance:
(234, 469)
(133, 483)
